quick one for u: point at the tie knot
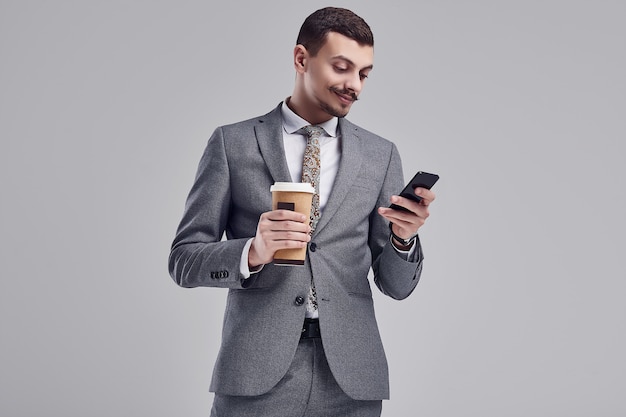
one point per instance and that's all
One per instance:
(313, 132)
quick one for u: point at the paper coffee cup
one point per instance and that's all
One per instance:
(294, 196)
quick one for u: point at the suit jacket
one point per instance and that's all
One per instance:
(264, 314)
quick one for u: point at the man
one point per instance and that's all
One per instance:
(303, 340)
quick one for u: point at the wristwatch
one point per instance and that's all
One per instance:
(403, 242)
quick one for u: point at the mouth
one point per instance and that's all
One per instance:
(345, 96)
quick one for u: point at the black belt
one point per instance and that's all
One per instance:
(310, 329)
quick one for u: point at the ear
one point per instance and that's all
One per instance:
(300, 56)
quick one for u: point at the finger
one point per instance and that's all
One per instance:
(427, 195)
(286, 244)
(281, 235)
(284, 226)
(286, 215)
(405, 220)
(294, 236)
(411, 205)
(278, 220)
(416, 214)
(420, 209)
(402, 228)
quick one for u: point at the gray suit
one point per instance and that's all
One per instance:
(264, 313)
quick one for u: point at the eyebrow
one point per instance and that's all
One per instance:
(349, 61)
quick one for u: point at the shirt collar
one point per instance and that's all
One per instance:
(292, 122)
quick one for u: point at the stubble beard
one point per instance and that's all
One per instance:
(338, 111)
(334, 111)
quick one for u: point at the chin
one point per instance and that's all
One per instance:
(335, 111)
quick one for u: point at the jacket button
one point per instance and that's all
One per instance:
(313, 247)
(299, 300)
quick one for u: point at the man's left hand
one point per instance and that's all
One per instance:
(405, 224)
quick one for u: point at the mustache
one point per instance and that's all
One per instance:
(349, 93)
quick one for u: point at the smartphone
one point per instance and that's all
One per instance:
(421, 179)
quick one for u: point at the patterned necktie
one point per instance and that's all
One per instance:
(311, 174)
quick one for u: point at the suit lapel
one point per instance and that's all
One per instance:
(351, 160)
(269, 135)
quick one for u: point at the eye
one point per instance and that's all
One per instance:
(363, 76)
(340, 69)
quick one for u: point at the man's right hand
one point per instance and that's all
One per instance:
(278, 229)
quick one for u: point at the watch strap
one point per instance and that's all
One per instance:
(403, 242)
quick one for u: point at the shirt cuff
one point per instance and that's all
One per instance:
(243, 263)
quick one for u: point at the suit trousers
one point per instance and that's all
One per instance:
(307, 390)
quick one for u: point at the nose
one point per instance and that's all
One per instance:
(354, 83)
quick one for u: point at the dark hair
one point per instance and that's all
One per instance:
(333, 19)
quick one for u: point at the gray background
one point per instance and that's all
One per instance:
(106, 106)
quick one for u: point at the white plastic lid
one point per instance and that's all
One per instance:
(302, 187)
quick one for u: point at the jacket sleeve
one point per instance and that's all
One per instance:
(393, 275)
(199, 256)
